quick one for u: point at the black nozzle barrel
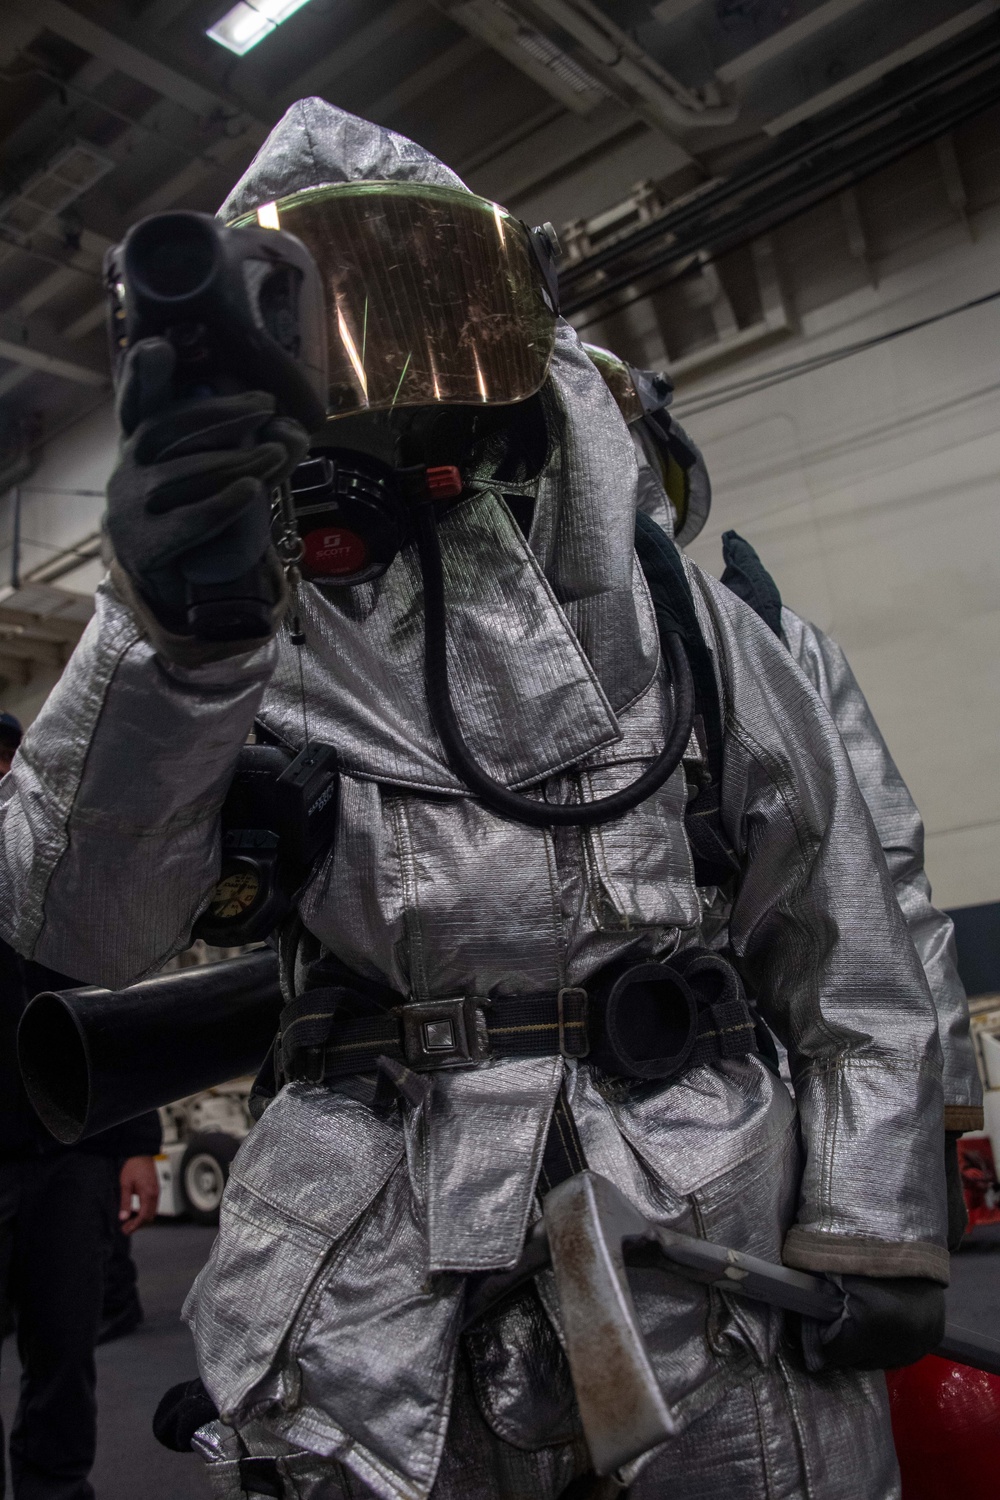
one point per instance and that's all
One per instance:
(172, 258)
(92, 1058)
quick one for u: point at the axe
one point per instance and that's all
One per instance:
(587, 1232)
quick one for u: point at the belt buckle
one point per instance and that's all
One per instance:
(312, 1065)
(573, 1038)
(442, 1033)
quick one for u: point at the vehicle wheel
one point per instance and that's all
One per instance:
(204, 1173)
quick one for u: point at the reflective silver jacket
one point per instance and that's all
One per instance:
(897, 822)
(900, 831)
(330, 1307)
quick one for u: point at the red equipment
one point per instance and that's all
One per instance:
(946, 1424)
(979, 1179)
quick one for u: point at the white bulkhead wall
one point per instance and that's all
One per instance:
(871, 489)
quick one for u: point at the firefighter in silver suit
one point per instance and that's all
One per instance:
(368, 1199)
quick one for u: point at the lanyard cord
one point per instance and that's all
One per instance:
(494, 794)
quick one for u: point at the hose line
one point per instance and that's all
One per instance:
(497, 797)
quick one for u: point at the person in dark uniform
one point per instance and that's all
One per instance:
(60, 1208)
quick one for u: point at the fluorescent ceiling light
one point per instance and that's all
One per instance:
(250, 21)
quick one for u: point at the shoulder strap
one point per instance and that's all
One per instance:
(715, 861)
(746, 576)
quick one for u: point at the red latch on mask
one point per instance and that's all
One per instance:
(444, 482)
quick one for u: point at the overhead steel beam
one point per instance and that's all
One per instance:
(555, 149)
(784, 40)
(530, 51)
(626, 67)
(359, 45)
(56, 16)
(791, 175)
(424, 79)
(48, 355)
(865, 77)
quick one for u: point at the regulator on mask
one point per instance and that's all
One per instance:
(352, 513)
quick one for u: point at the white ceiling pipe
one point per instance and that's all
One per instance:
(38, 359)
(614, 49)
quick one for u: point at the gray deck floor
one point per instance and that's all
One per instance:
(135, 1371)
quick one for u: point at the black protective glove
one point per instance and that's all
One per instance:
(189, 504)
(886, 1322)
(183, 1409)
(958, 1214)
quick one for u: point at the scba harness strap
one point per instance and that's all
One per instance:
(650, 1022)
(715, 860)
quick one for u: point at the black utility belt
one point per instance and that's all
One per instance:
(652, 1021)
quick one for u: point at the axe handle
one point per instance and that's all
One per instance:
(730, 1271)
(798, 1291)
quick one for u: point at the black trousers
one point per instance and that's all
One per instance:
(120, 1276)
(57, 1214)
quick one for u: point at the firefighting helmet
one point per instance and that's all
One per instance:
(643, 397)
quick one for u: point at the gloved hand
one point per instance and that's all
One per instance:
(886, 1322)
(183, 1409)
(958, 1214)
(189, 508)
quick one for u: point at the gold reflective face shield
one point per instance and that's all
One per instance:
(433, 296)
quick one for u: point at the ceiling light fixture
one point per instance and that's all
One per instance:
(250, 21)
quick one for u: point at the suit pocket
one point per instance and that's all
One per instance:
(306, 1173)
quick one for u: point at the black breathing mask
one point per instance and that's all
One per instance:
(352, 515)
(353, 500)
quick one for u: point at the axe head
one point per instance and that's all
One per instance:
(621, 1405)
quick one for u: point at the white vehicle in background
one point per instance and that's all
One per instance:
(201, 1135)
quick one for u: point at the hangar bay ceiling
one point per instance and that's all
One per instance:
(660, 137)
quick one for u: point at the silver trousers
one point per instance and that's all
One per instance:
(782, 1435)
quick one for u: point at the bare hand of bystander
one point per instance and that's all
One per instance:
(138, 1181)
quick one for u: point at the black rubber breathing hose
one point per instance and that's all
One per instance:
(497, 797)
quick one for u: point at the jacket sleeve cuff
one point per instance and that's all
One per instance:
(863, 1255)
(963, 1117)
(184, 650)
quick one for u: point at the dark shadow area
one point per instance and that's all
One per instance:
(974, 1294)
(134, 1372)
(977, 937)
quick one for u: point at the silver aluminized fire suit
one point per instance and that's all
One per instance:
(900, 831)
(896, 817)
(327, 1321)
